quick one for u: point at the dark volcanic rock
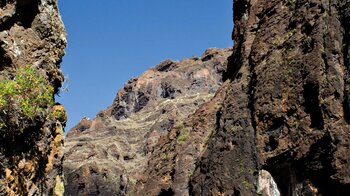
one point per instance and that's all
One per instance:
(278, 125)
(82, 126)
(32, 36)
(108, 155)
(282, 111)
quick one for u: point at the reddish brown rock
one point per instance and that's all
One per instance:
(32, 35)
(284, 110)
(107, 156)
(280, 119)
(83, 125)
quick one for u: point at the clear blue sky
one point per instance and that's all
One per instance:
(112, 41)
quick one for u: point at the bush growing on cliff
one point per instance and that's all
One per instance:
(24, 98)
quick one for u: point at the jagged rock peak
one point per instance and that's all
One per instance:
(168, 80)
(123, 136)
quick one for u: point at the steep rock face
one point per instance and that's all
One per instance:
(281, 119)
(32, 38)
(286, 110)
(108, 155)
(279, 124)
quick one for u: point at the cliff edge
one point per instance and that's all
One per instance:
(32, 42)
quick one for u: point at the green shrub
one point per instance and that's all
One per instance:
(24, 98)
(183, 136)
(59, 113)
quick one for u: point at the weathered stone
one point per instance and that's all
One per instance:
(267, 185)
(31, 34)
(286, 108)
(108, 155)
(282, 114)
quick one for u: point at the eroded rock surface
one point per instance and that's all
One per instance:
(108, 155)
(286, 109)
(283, 109)
(281, 116)
(32, 35)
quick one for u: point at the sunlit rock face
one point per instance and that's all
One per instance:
(284, 108)
(108, 155)
(32, 35)
(267, 185)
(277, 125)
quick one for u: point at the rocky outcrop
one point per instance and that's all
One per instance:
(281, 122)
(278, 125)
(286, 108)
(109, 154)
(32, 42)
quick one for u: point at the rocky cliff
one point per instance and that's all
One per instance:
(107, 155)
(283, 125)
(278, 125)
(32, 42)
(286, 107)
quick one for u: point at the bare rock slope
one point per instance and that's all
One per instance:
(32, 42)
(278, 125)
(108, 155)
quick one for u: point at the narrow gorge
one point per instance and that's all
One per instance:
(269, 116)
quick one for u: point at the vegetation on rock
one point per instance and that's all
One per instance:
(24, 98)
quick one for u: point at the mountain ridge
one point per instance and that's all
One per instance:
(144, 110)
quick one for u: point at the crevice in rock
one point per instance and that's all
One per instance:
(308, 45)
(292, 110)
(236, 192)
(166, 66)
(346, 108)
(272, 144)
(310, 175)
(4, 59)
(277, 123)
(312, 104)
(235, 64)
(141, 101)
(239, 9)
(346, 55)
(25, 12)
(166, 192)
(251, 92)
(167, 91)
(307, 28)
(22, 143)
(119, 112)
(81, 188)
(281, 170)
(207, 57)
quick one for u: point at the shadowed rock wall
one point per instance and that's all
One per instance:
(283, 109)
(286, 110)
